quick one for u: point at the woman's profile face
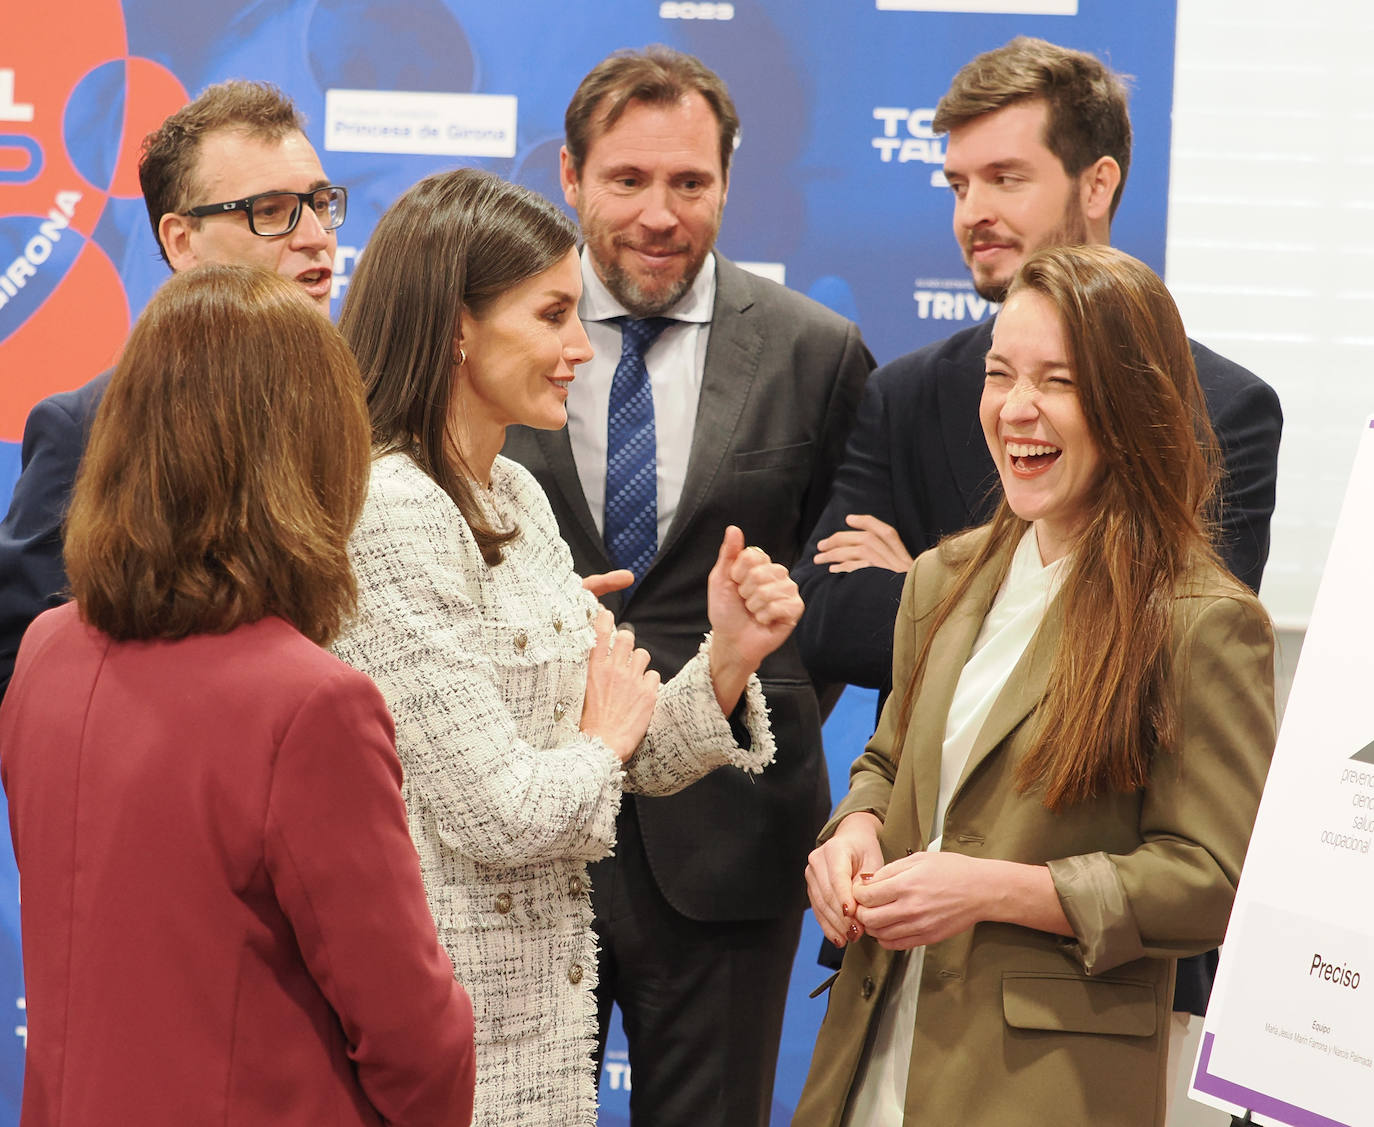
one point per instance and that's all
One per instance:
(1047, 457)
(520, 354)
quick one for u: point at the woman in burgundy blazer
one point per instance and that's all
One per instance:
(223, 915)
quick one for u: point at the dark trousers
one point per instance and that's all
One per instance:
(701, 1002)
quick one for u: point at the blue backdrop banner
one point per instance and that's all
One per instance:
(836, 190)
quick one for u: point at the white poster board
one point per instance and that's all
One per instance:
(1289, 1033)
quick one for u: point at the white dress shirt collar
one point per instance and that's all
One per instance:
(676, 363)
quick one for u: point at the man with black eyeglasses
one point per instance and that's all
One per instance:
(229, 178)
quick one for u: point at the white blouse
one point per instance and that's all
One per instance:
(879, 1092)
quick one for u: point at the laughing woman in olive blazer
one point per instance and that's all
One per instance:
(1058, 805)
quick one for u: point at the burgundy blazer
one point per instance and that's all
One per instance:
(223, 916)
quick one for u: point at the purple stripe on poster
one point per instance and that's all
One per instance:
(1255, 1101)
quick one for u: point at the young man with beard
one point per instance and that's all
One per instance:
(229, 178)
(715, 397)
(1038, 150)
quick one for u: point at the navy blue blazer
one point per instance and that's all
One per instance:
(32, 577)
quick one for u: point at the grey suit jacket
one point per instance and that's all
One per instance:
(782, 381)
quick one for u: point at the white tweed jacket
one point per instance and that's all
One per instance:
(484, 670)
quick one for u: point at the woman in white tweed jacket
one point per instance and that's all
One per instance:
(516, 746)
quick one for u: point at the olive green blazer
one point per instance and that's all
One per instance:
(1016, 1026)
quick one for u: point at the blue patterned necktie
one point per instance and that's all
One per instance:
(631, 515)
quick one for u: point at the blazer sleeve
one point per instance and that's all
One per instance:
(1248, 427)
(346, 875)
(689, 735)
(845, 633)
(32, 576)
(872, 774)
(1172, 895)
(418, 634)
(846, 391)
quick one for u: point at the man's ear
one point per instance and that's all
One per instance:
(567, 176)
(174, 233)
(1098, 185)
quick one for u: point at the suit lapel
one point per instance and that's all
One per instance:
(564, 482)
(732, 361)
(948, 653)
(959, 389)
(1024, 690)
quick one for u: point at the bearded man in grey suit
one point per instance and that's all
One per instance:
(747, 392)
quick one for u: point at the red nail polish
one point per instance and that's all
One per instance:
(853, 931)
(844, 909)
(837, 941)
(865, 876)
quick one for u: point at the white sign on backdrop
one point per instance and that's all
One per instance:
(1289, 1033)
(995, 7)
(396, 121)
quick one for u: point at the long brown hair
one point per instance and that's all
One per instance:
(455, 240)
(226, 466)
(1109, 705)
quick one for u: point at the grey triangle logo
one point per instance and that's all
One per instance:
(1365, 754)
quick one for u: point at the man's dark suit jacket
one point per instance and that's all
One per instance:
(782, 379)
(917, 460)
(32, 577)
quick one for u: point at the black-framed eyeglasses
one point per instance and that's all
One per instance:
(277, 213)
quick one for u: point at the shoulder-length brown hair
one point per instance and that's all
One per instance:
(226, 466)
(1109, 702)
(456, 240)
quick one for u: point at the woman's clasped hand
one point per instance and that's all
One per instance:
(833, 871)
(753, 606)
(621, 689)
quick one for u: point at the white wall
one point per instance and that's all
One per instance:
(1271, 255)
(1271, 239)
